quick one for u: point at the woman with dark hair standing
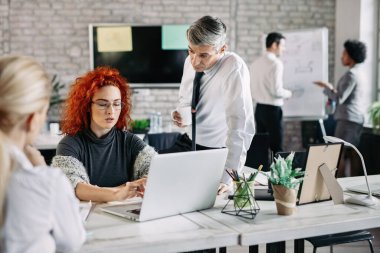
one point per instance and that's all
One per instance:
(103, 161)
(347, 95)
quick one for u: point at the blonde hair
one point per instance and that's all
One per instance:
(25, 88)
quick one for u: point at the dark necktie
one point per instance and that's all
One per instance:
(194, 102)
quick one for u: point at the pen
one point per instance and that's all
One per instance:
(237, 176)
(229, 173)
(254, 175)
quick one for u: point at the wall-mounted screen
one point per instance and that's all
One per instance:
(148, 56)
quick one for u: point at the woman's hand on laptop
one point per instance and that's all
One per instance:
(131, 189)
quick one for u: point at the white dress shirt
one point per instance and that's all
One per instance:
(42, 213)
(267, 80)
(224, 112)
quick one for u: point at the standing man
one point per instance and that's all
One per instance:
(223, 112)
(268, 92)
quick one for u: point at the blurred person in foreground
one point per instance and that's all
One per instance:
(39, 212)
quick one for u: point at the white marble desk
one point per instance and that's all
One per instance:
(192, 231)
(213, 229)
(310, 220)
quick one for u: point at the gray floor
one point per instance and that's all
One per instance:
(359, 247)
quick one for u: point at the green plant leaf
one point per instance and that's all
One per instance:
(140, 124)
(282, 173)
(374, 112)
(57, 86)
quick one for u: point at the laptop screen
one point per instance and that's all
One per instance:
(178, 183)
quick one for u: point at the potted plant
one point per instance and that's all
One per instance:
(140, 126)
(285, 183)
(374, 113)
(55, 93)
(56, 100)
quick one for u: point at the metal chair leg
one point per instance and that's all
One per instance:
(371, 245)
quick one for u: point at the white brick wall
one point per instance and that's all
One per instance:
(4, 27)
(56, 33)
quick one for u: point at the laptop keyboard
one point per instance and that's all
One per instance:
(135, 211)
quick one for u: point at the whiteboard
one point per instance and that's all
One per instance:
(305, 60)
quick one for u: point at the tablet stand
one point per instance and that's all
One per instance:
(332, 184)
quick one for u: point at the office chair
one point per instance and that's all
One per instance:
(161, 141)
(340, 238)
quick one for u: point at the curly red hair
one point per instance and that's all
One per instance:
(77, 107)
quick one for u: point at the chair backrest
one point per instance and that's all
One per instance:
(162, 141)
(259, 152)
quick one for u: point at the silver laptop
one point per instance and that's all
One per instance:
(375, 189)
(177, 183)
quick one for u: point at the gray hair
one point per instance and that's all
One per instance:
(207, 31)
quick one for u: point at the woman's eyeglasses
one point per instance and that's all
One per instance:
(103, 105)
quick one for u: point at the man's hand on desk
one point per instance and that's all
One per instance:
(223, 188)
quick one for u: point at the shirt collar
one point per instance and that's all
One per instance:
(215, 67)
(355, 69)
(270, 55)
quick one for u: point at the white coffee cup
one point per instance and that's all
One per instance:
(54, 128)
(185, 113)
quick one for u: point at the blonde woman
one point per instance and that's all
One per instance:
(39, 212)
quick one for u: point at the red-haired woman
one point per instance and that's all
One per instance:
(99, 157)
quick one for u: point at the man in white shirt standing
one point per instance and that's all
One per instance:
(268, 92)
(224, 112)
